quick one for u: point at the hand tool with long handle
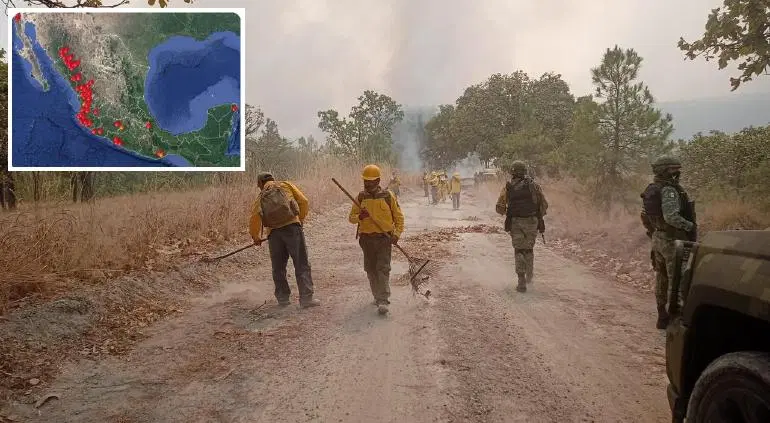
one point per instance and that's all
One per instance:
(210, 259)
(416, 265)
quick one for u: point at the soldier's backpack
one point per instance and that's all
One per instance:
(277, 207)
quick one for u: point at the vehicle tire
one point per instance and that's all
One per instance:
(734, 388)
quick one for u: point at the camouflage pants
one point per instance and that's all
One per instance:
(664, 255)
(377, 254)
(434, 194)
(523, 236)
(425, 187)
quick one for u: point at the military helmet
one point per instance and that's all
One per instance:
(518, 167)
(663, 163)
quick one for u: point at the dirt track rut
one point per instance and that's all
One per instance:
(575, 347)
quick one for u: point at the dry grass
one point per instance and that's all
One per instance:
(43, 246)
(616, 245)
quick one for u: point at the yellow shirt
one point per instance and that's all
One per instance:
(455, 185)
(390, 219)
(256, 229)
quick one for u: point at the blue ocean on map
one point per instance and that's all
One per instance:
(193, 76)
(45, 130)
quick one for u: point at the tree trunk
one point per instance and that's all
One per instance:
(87, 183)
(7, 190)
(36, 186)
(75, 187)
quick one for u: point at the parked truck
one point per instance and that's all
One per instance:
(718, 337)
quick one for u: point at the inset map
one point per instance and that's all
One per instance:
(126, 89)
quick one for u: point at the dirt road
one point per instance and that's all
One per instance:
(575, 347)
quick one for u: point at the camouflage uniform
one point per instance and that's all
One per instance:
(668, 215)
(524, 205)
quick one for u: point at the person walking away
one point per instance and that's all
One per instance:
(454, 188)
(425, 183)
(523, 204)
(442, 186)
(395, 184)
(667, 215)
(434, 182)
(279, 213)
(381, 206)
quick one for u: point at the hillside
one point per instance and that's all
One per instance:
(729, 113)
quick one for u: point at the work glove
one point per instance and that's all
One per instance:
(541, 225)
(363, 214)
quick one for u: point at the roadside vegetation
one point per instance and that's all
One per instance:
(592, 153)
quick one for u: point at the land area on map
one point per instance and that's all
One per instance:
(126, 90)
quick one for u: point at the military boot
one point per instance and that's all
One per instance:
(662, 317)
(522, 286)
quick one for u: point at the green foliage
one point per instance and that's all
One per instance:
(580, 154)
(366, 134)
(630, 127)
(442, 148)
(738, 164)
(737, 31)
(490, 119)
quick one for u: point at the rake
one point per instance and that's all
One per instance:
(217, 258)
(416, 265)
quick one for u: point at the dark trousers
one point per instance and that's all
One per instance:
(285, 242)
(434, 194)
(377, 253)
(456, 200)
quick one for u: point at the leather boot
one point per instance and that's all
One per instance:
(522, 286)
(662, 317)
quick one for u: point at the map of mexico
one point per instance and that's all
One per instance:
(127, 90)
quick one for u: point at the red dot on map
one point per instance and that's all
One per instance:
(160, 153)
(17, 18)
(148, 125)
(234, 107)
(96, 112)
(117, 141)
(118, 124)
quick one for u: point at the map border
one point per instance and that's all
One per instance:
(240, 11)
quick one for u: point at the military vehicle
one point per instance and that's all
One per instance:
(718, 336)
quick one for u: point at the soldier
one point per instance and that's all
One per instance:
(278, 213)
(381, 206)
(454, 190)
(668, 215)
(523, 203)
(425, 184)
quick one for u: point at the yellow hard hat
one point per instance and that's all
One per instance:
(371, 172)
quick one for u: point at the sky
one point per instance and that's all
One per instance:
(303, 56)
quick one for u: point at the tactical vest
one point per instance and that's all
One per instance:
(652, 209)
(521, 201)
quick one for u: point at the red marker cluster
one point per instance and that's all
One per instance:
(85, 91)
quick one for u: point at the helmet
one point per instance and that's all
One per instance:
(456, 174)
(263, 177)
(371, 173)
(663, 163)
(518, 167)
